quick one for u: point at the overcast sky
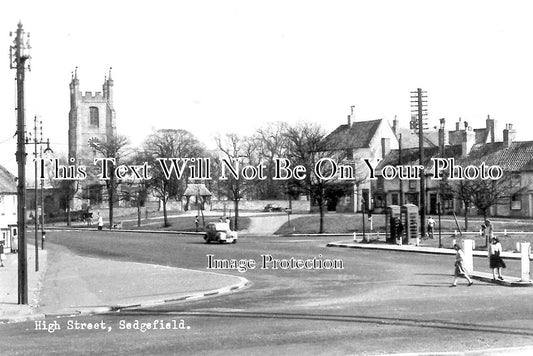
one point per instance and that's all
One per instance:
(223, 66)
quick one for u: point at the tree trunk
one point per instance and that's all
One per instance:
(110, 205)
(138, 213)
(236, 224)
(321, 210)
(487, 237)
(466, 218)
(68, 214)
(165, 218)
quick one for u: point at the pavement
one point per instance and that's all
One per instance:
(68, 285)
(508, 281)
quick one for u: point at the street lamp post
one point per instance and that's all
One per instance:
(47, 151)
(363, 212)
(38, 141)
(19, 54)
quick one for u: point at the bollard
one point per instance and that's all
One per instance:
(354, 236)
(525, 251)
(418, 240)
(480, 232)
(505, 232)
(468, 246)
(518, 247)
(454, 241)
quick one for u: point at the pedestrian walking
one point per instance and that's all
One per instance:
(100, 222)
(2, 254)
(431, 227)
(197, 222)
(495, 260)
(460, 270)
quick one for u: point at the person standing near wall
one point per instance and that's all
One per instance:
(100, 222)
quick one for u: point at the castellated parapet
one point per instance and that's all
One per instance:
(90, 97)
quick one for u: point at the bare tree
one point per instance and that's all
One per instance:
(237, 151)
(113, 151)
(137, 189)
(271, 142)
(167, 144)
(464, 189)
(305, 147)
(486, 193)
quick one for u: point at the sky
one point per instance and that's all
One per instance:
(213, 67)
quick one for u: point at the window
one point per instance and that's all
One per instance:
(395, 199)
(378, 201)
(94, 119)
(381, 184)
(412, 184)
(515, 181)
(516, 202)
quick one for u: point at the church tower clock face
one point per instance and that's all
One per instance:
(93, 141)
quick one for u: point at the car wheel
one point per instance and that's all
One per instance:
(234, 241)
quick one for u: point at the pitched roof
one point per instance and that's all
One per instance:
(194, 189)
(410, 157)
(517, 157)
(358, 135)
(410, 139)
(7, 181)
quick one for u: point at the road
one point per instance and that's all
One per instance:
(381, 302)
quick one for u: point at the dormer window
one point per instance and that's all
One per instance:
(94, 120)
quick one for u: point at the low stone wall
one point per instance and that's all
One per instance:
(259, 205)
(121, 211)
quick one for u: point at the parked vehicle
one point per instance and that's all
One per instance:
(219, 232)
(272, 207)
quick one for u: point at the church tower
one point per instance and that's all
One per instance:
(91, 116)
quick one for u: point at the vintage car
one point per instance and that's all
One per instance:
(219, 232)
(272, 207)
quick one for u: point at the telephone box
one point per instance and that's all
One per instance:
(391, 212)
(410, 219)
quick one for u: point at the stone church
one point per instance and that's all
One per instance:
(91, 117)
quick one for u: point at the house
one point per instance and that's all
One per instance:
(8, 208)
(469, 148)
(359, 140)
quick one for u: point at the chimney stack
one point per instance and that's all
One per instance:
(469, 139)
(458, 125)
(508, 135)
(443, 137)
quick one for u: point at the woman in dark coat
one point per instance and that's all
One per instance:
(495, 260)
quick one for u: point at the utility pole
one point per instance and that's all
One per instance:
(19, 54)
(400, 163)
(419, 108)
